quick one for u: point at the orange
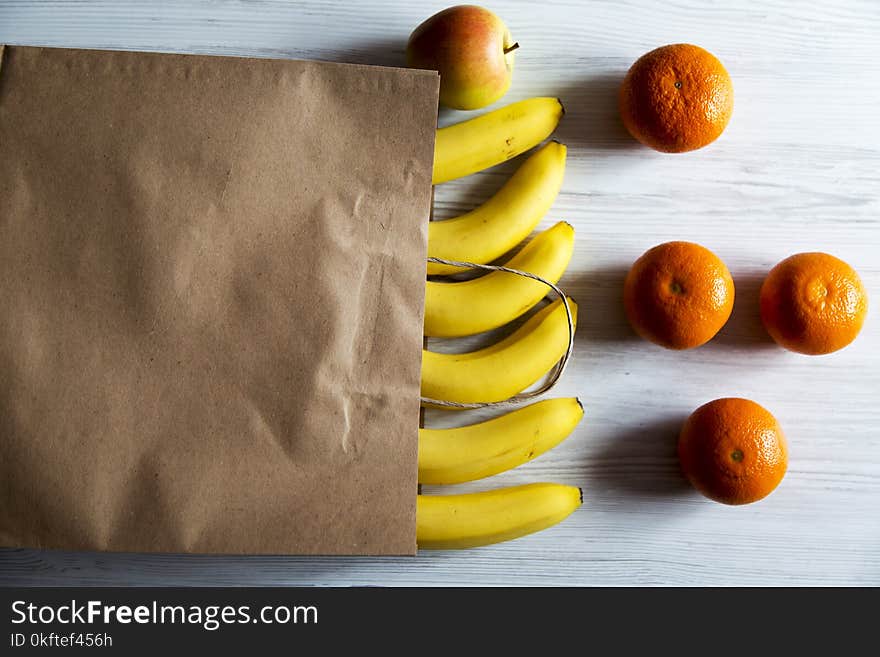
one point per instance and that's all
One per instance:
(733, 451)
(813, 303)
(678, 295)
(676, 98)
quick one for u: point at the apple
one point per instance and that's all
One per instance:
(473, 51)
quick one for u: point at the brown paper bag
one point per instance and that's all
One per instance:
(211, 293)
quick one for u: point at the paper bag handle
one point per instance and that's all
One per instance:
(552, 377)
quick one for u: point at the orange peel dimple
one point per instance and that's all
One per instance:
(733, 451)
(813, 303)
(678, 295)
(676, 98)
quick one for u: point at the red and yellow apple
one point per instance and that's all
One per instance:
(473, 51)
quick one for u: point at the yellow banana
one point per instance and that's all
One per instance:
(452, 456)
(506, 219)
(503, 369)
(487, 140)
(481, 304)
(448, 522)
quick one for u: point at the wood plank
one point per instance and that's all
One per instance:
(798, 169)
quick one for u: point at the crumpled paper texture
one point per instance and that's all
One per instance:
(211, 295)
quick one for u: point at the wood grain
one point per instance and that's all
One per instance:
(797, 169)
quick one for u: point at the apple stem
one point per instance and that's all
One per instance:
(510, 49)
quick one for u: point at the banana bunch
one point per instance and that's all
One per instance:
(455, 308)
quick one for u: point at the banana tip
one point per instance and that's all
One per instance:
(561, 106)
(581, 494)
(579, 403)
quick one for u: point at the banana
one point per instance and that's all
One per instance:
(448, 522)
(487, 140)
(481, 304)
(452, 456)
(506, 219)
(503, 369)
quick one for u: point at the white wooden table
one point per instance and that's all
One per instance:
(797, 169)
